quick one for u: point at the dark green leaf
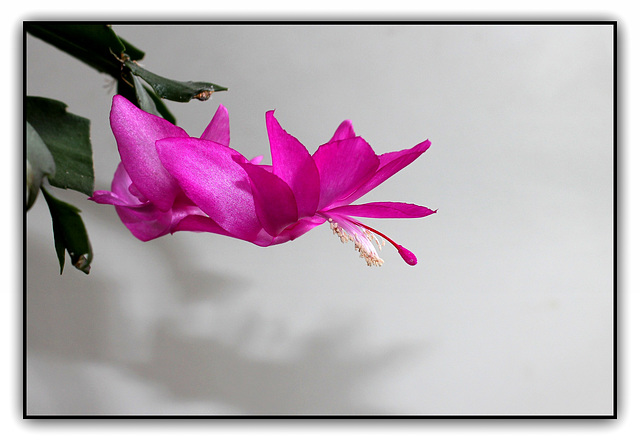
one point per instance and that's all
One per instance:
(172, 89)
(150, 102)
(69, 234)
(145, 101)
(131, 51)
(126, 88)
(100, 47)
(160, 106)
(67, 137)
(94, 44)
(40, 163)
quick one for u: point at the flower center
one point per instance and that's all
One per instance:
(363, 237)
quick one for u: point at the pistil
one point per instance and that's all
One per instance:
(364, 237)
(407, 255)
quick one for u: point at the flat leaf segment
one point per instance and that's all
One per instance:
(67, 137)
(173, 89)
(94, 44)
(69, 233)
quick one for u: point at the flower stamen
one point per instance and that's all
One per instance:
(361, 238)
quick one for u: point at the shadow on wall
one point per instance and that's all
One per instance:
(319, 379)
(78, 336)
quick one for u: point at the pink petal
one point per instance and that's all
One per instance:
(145, 223)
(297, 229)
(122, 185)
(382, 210)
(199, 223)
(275, 204)
(218, 129)
(390, 164)
(344, 131)
(293, 164)
(136, 132)
(109, 198)
(402, 158)
(142, 217)
(256, 160)
(214, 181)
(343, 166)
(120, 193)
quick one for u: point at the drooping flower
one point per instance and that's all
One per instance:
(171, 182)
(271, 204)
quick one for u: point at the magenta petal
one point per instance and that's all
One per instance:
(402, 158)
(344, 131)
(120, 193)
(199, 223)
(214, 181)
(256, 160)
(145, 223)
(390, 164)
(343, 166)
(142, 218)
(136, 132)
(109, 198)
(293, 164)
(382, 210)
(218, 129)
(297, 229)
(122, 186)
(275, 204)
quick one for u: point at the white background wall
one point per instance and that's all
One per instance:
(509, 310)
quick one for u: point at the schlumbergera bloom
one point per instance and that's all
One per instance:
(168, 182)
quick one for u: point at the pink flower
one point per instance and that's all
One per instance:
(169, 181)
